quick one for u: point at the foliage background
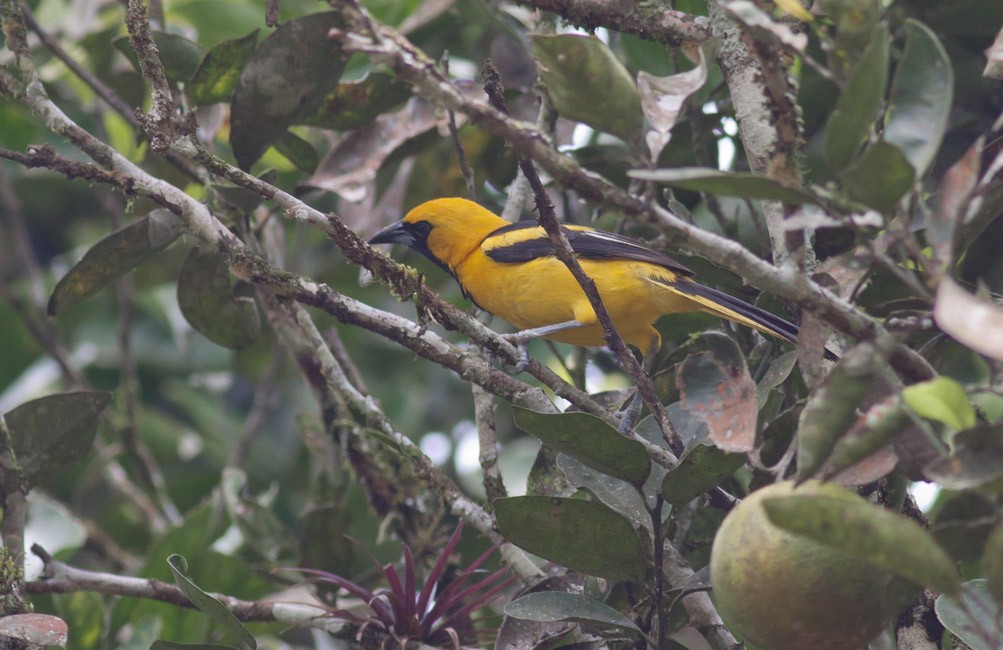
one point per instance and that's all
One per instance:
(243, 460)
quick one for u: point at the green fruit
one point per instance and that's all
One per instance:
(782, 591)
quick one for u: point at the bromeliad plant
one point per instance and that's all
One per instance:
(406, 612)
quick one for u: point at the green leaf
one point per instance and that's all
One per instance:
(551, 606)
(55, 432)
(943, 400)
(920, 99)
(297, 151)
(619, 496)
(744, 184)
(217, 74)
(114, 256)
(858, 104)
(778, 372)
(992, 561)
(354, 104)
(288, 75)
(208, 605)
(582, 535)
(590, 440)
(715, 386)
(210, 305)
(974, 617)
(588, 84)
(832, 409)
(179, 55)
(863, 530)
(702, 468)
(880, 178)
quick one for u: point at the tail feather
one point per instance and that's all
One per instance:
(721, 304)
(735, 309)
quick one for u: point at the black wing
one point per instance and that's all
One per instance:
(586, 243)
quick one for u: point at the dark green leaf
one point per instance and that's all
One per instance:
(590, 440)
(880, 178)
(858, 104)
(208, 605)
(588, 84)
(974, 617)
(715, 386)
(353, 104)
(702, 468)
(288, 75)
(855, 526)
(582, 535)
(217, 74)
(550, 606)
(179, 55)
(297, 151)
(209, 304)
(55, 432)
(114, 256)
(619, 496)
(778, 372)
(920, 99)
(748, 185)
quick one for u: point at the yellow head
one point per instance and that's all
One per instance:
(444, 230)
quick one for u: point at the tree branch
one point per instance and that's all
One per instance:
(648, 20)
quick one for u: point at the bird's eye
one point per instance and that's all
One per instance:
(422, 228)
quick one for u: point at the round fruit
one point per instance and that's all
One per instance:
(782, 591)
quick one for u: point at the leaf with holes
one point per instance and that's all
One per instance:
(715, 386)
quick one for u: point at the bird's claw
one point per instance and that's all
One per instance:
(629, 415)
(521, 346)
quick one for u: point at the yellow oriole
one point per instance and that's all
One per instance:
(510, 270)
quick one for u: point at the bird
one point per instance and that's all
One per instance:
(510, 270)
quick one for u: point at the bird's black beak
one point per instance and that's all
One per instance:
(393, 234)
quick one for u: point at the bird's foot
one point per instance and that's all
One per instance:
(521, 343)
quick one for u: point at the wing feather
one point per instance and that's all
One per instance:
(526, 240)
